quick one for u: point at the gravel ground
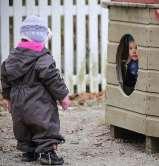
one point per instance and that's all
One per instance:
(88, 142)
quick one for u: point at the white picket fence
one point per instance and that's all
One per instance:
(79, 43)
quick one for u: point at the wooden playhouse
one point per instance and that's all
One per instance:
(138, 112)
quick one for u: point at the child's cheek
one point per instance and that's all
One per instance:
(137, 52)
(131, 54)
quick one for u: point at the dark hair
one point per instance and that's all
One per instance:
(122, 55)
(123, 48)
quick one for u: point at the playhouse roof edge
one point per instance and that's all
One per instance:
(105, 3)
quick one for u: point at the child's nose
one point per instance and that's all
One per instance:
(134, 51)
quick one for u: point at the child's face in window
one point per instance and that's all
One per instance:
(133, 51)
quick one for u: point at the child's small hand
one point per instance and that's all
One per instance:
(65, 103)
(5, 104)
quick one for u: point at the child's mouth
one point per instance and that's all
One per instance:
(134, 56)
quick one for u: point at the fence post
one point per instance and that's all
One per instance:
(104, 42)
(56, 30)
(68, 44)
(81, 46)
(93, 42)
(30, 7)
(4, 29)
(17, 20)
(43, 10)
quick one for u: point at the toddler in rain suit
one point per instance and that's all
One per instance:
(32, 84)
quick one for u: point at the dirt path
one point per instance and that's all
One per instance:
(88, 142)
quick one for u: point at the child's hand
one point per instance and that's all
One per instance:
(5, 104)
(65, 103)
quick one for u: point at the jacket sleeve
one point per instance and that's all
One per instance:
(6, 87)
(50, 77)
